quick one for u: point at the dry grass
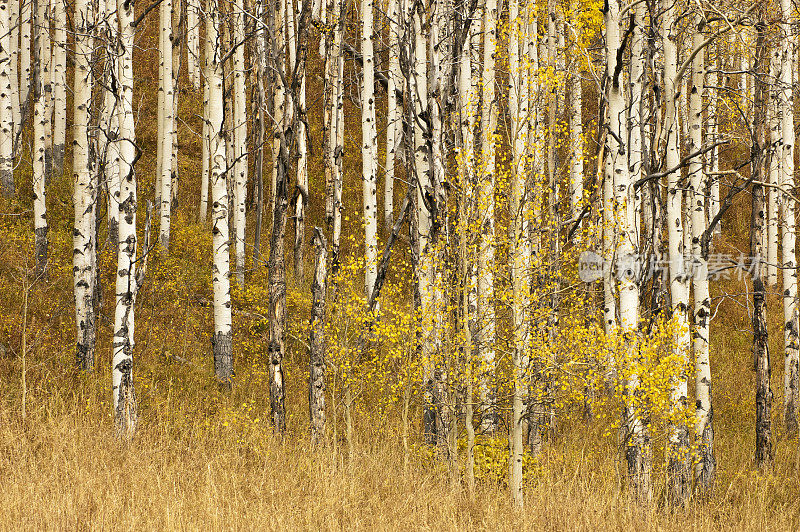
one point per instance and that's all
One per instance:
(63, 469)
(202, 460)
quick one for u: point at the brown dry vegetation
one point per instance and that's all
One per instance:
(206, 460)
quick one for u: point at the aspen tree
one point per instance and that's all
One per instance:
(439, 38)
(59, 84)
(205, 172)
(301, 196)
(24, 63)
(576, 127)
(394, 123)
(166, 116)
(223, 334)
(41, 122)
(520, 258)
(316, 373)
(468, 96)
(239, 138)
(179, 35)
(772, 170)
(193, 58)
(418, 91)
(85, 192)
(13, 50)
(329, 110)
(369, 148)
(678, 479)
(637, 82)
(44, 64)
(127, 284)
(163, 33)
(791, 376)
(108, 120)
(336, 149)
(328, 116)
(485, 260)
(6, 111)
(262, 103)
(705, 463)
(764, 451)
(284, 124)
(637, 452)
(712, 132)
(278, 38)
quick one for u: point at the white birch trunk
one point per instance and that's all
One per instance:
(44, 61)
(617, 171)
(678, 468)
(705, 465)
(6, 106)
(712, 132)
(205, 171)
(40, 123)
(176, 68)
(59, 73)
(576, 131)
(468, 92)
(337, 130)
(167, 122)
(369, 149)
(301, 198)
(123, 393)
(422, 168)
(85, 192)
(193, 57)
(223, 334)
(278, 96)
(773, 169)
(394, 123)
(791, 375)
(485, 263)
(240, 139)
(13, 50)
(316, 366)
(109, 121)
(25, 41)
(518, 109)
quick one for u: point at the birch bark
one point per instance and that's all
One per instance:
(166, 116)
(678, 480)
(240, 168)
(223, 335)
(369, 149)
(486, 203)
(59, 84)
(704, 463)
(84, 193)
(791, 375)
(6, 106)
(316, 374)
(41, 122)
(127, 284)
(637, 450)
(394, 124)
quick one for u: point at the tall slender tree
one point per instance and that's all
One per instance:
(59, 84)
(791, 385)
(85, 189)
(124, 396)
